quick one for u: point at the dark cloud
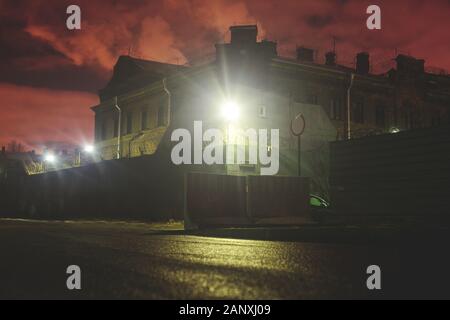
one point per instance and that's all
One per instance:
(37, 50)
(318, 21)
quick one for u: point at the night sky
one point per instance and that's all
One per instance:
(49, 75)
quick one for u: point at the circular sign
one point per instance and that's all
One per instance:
(298, 125)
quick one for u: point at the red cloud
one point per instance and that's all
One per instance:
(178, 31)
(33, 116)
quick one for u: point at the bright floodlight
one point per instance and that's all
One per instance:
(230, 111)
(89, 148)
(50, 158)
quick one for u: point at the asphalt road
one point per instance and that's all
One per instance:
(151, 261)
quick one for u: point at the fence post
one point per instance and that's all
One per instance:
(188, 224)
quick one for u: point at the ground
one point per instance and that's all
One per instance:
(160, 261)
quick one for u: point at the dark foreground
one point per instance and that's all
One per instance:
(150, 261)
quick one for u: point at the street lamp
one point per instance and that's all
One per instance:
(230, 111)
(50, 158)
(89, 148)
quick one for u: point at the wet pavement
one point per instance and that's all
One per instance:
(158, 261)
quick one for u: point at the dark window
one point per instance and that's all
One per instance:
(262, 111)
(406, 120)
(433, 121)
(298, 98)
(411, 120)
(161, 115)
(358, 112)
(311, 99)
(144, 120)
(335, 109)
(129, 122)
(380, 116)
(407, 114)
(104, 128)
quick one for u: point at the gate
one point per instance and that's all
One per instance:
(224, 200)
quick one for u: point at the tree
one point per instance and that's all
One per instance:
(14, 147)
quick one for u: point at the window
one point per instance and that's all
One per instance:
(436, 119)
(129, 122)
(335, 109)
(358, 112)
(380, 116)
(412, 120)
(161, 115)
(405, 120)
(262, 111)
(407, 114)
(104, 128)
(311, 99)
(144, 120)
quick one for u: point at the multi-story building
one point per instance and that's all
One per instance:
(145, 100)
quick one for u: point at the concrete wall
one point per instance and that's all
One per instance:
(145, 188)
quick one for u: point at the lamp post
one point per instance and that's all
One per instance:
(87, 149)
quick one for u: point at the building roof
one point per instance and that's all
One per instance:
(132, 73)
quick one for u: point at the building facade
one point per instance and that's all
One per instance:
(145, 100)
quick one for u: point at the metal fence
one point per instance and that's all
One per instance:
(402, 174)
(220, 200)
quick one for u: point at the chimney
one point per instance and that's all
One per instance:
(410, 66)
(3, 150)
(362, 63)
(305, 54)
(243, 35)
(269, 48)
(330, 58)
